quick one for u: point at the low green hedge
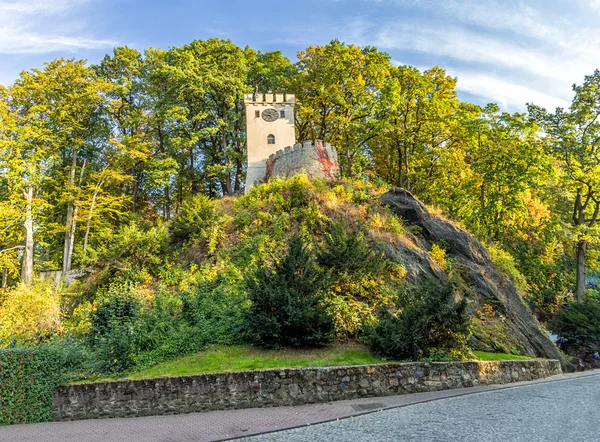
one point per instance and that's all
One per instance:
(27, 378)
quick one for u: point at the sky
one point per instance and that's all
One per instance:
(510, 52)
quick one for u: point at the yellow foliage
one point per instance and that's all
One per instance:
(29, 314)
(439, 256)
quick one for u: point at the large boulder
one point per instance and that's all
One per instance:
(485, 282)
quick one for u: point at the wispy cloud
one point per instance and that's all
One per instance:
(508, 51)
(44, 26)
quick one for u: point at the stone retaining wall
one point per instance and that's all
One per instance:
(268, 388)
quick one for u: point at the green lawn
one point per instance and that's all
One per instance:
(487, 356)
(243, 357)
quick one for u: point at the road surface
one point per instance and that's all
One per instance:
(555, 411)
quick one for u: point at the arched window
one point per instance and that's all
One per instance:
(271, 139)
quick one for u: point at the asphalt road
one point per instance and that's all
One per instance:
(566, 410)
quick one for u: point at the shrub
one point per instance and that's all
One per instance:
(287, 309)
(432, 324)
(30, 313)
(578, 327)
(112, 328)
(356, 284)
(349, 252)
(27, 378)
(132, 248)
(505, 262)
(195, 220)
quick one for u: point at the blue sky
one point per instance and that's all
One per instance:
(510, 52)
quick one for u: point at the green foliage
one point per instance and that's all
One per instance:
(113, 327)
(434, 326)
(349, 252)
(287, 308)
(356, 278)
(506, 264)
(132, 248)
(195, 220)
(27, 378)
(578, 327)
(30, 314)
(130, 331)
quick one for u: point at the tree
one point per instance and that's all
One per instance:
(574, 140)
(418, 120)
(337, 88)
(26, 156)
(210, 79)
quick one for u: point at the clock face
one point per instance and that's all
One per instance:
(270, 115)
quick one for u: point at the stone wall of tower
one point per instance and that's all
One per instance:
(258, 130)
(317, 160)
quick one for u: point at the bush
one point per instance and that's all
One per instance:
(432, 325)
(28, 377)
(132, 248)
(30, 313)
(195, 220)
(356, 281)
(578, 327)
(128, 334)
(112, 328)
(349, 252)
(287, 308)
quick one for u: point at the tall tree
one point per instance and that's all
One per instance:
(337, 88)
(574, 138)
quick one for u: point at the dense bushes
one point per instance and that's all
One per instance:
(433, 326)
(30, 314)
(132, 328)
(287, 307)
(27, 378)
(197, 218)
(578, 328)
(133, 247)
(358, 280)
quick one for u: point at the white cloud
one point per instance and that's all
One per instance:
(43, 26)
(498, 47)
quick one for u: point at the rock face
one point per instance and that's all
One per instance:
(486, 283)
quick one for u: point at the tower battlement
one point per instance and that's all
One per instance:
(317, 160)
(263, 98)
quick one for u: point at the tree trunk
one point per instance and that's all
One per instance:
(90, 214)
(4, 278)
(27, 268)
(580, 281)
(71, 222)
(227, 180)
(167, 203)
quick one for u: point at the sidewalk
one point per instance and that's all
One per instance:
(219, 425)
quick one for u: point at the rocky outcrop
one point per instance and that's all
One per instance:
(486, 284)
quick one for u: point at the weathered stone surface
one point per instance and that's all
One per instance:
(268, 388)
(317, 160)
(475, 265)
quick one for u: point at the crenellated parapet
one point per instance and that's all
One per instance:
(317, 160)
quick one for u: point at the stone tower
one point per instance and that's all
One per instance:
(269, 128)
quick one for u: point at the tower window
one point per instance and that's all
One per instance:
(282, 114)
(257, 114)
(271, 139)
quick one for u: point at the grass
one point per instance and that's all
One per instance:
(244, 357)
(487, 356)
